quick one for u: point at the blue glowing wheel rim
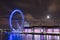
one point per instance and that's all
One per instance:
(10, 19)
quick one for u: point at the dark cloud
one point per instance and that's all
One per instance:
(36, 8)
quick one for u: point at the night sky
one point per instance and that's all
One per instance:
(34, 10)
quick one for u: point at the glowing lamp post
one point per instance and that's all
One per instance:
(48, 17)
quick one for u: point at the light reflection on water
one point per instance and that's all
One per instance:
(30, 37)
(16, 37)
(35, 37)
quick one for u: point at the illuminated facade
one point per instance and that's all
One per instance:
(44, 37)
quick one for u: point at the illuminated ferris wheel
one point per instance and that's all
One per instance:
(16, 20)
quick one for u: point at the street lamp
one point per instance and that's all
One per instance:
(48, 17)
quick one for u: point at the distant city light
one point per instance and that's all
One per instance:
(26, 24)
